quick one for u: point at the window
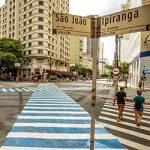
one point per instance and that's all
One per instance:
(40, 42)
(40, 35)
(40, 26)
(30, 5)
(41, 10)
(41, 3)
(24, 23)
(25, 8)
(29, 51)
(30, 28)
(24, 38)
(30, 13)
(30, 44)
(30, 36)
(41, 19)
(40, 51)
(30, 20)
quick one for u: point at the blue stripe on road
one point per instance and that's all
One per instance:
(57, 130)
(53, 121)
(54, 114)
(65, 143)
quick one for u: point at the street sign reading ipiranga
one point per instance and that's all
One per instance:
(71, 24)
(132, 20)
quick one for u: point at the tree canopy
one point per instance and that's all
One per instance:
(11, 51)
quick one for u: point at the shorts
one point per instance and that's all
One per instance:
(120, 108)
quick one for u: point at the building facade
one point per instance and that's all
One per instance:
(76, 50)
(30, 21)
(138, 51)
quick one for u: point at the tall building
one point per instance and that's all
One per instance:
(31, 22)
(138, 50)
(90, 46)
(101, 59)
(76, 50)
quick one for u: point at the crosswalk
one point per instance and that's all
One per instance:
(21, 89)
(51, 120)
(127, 130)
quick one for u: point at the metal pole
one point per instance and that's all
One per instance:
(93, 104)
(116, 64)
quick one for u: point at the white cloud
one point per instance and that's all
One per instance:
(2, 2)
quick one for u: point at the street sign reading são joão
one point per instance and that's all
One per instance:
(132, 20)
(71, 24)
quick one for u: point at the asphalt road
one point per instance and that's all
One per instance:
(134, 138)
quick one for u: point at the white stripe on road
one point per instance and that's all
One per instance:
(4, 90)
(25, 89)
(41, 108)
(18, 89)
(12, 90)
(54, 117)
(126, 123)
(57, 135)
(69, 102)
(49, 112)
(75, 104)
(127, 113)
(121, 129)
(133, 144)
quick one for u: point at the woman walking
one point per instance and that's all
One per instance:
(138, 107)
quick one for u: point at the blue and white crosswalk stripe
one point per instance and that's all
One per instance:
(50, 122)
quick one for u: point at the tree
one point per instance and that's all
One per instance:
(124, 68)
(11, 52)
(110, 69)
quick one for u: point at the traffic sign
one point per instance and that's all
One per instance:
(115, 71)
(71, 24)
(132, 20)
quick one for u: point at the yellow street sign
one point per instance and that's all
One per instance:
(71, 24)
(132, 20)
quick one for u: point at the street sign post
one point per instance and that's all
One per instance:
(132, 20)
(71, 24)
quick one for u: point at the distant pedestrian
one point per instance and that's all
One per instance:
(140, 84)
(121, 98)
(138, 107)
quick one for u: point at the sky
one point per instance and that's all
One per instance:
(96, 7)
(100, 8)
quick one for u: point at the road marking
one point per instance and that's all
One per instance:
(132, 144)
(56, 125)
(127, 113)
(57, 135)
(137, 134)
